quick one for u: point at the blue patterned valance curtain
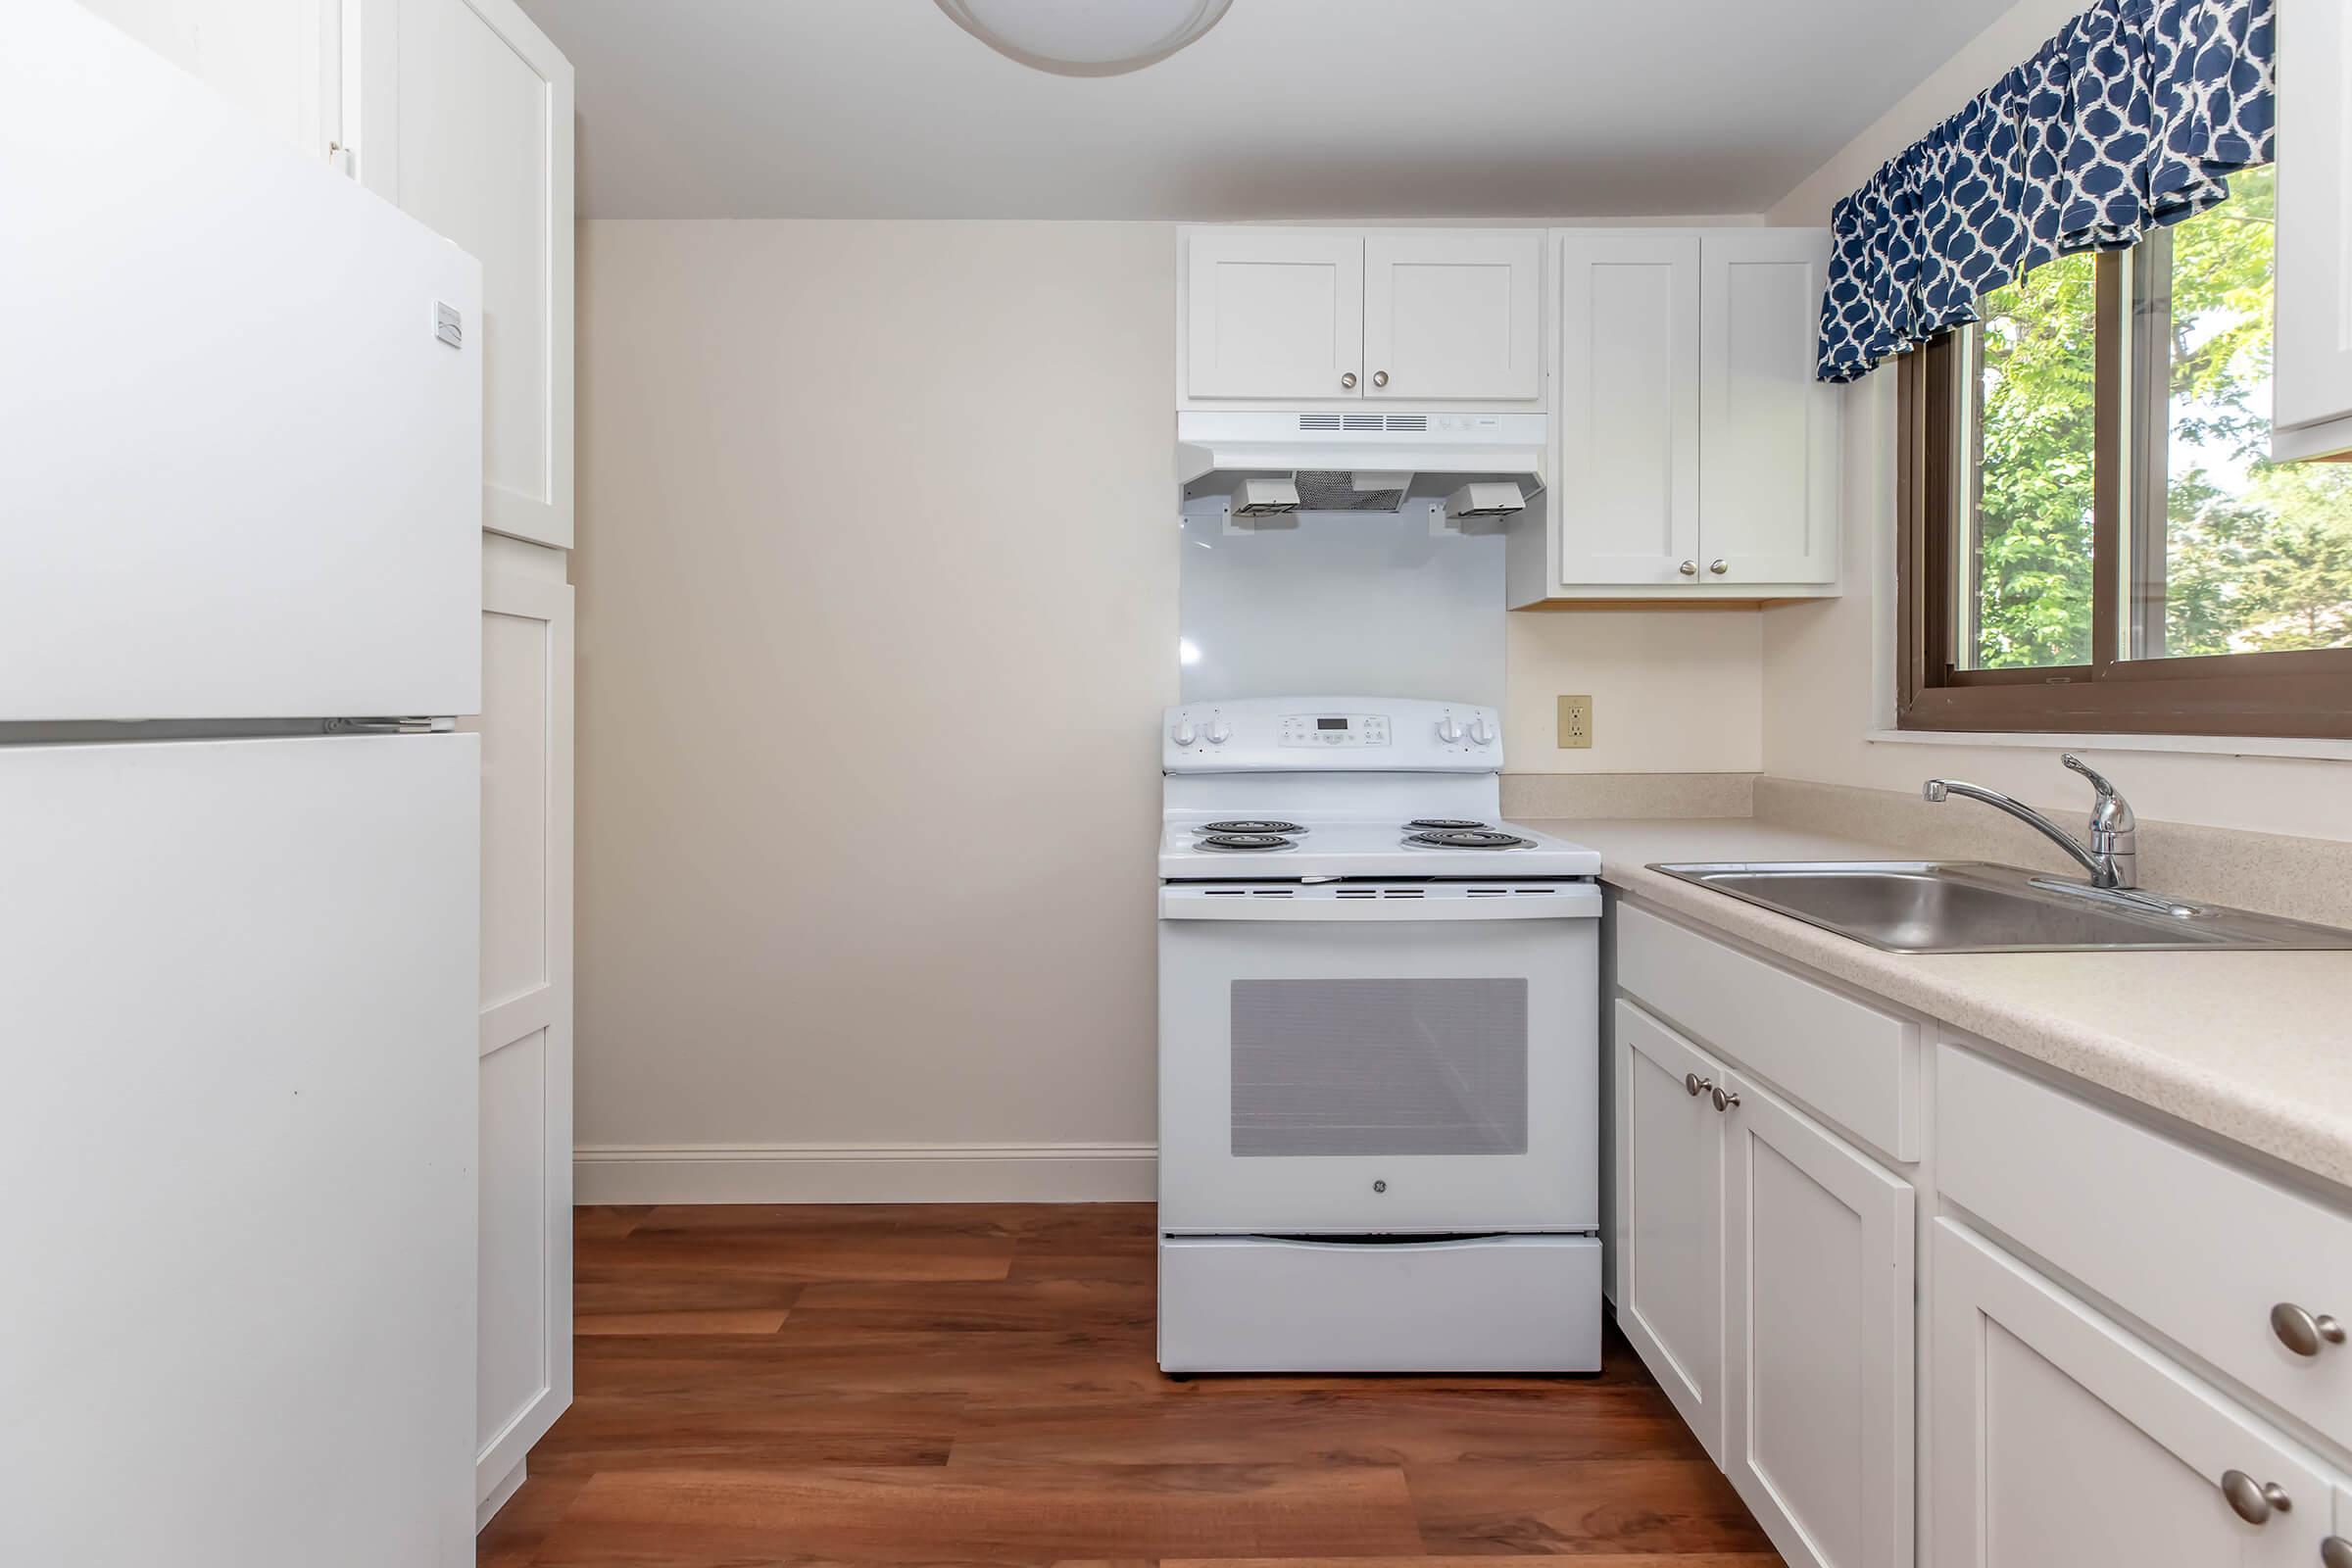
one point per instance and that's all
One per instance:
(2127, 119)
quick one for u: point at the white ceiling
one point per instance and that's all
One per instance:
(1287, 109)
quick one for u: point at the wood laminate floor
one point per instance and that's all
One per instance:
(759, 1387)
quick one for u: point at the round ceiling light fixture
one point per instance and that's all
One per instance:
(1085, 38)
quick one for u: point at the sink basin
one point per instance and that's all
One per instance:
(1968, 906)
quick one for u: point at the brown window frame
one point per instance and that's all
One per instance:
(2304, 695)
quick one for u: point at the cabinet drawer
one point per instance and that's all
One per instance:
(1496, 1304)
(2198, 1249)
(2060, 1440)
(1852, 1063)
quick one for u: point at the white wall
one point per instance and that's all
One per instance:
(1827, 671)
(877, 610)
(2013, 35)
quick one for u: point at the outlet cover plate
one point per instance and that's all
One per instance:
(1576, 724)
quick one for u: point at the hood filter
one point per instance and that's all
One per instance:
(1339, 490)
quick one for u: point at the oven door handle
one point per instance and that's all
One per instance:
(1575, 901)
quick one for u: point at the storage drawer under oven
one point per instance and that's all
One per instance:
(1492, 1304)
(1388, 1073)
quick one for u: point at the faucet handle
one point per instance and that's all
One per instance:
(2098, 780)
(2111, 819)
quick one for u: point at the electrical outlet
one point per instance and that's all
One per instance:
(1576, 724)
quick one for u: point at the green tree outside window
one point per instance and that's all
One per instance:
(2256, 556)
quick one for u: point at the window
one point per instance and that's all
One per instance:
(2095, 537)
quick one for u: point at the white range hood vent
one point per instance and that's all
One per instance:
(1471, 471)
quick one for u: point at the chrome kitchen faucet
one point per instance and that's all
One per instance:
(2113, 859)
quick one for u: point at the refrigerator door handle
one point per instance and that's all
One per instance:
(389, 726)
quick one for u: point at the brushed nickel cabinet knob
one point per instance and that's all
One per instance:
(1719, 568)
(2335, 1552)
(1689, 569)
(1724, 1099)
(1380, 379)
(1349, 379)
(1695, 1086)
(2253, 1500)
(2304, 1332)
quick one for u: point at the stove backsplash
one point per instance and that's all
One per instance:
(1345, 604)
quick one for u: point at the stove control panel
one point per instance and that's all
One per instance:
(1331, 734)
(1313, 730)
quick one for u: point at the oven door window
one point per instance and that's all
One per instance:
(1325, 1067)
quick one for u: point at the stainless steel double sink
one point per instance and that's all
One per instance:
(1973, 907)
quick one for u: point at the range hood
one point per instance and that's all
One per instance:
(1473, 471)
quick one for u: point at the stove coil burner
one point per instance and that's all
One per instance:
(1253, 826)
(1456, 823)
(1467, 839)
(1237, 842)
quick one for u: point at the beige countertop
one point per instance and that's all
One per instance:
(2252, 1047)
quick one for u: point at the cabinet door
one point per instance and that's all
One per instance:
(523, 1366)
(2314, 336)
(2058, 1440)
(1454, 316)
(464, 120)
(1628, 402)
(1818, 1374)
(1670, 1216)
(274, 58)
(1274, 313)
(1768, 465)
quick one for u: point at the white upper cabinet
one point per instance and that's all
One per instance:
(1627, 490)
(2313, 354)
(1454, 316)
(459, 112)
(1697, 457)
(1324, 315)
(1275, 313)
(274, 59)
(1768, 430)
(465, 120)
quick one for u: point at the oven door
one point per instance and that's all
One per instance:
(1352, 1060)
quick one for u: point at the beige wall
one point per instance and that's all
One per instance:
(846, 491)
(1827, 667)
(1673, 692)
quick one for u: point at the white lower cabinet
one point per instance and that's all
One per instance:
(1818, 1314)
(2060, 1441)
(2176, 1401)
(523, 1359)
(1765, 1277)
(1670, 1216)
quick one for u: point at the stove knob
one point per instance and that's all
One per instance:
(1219, 732)
(1480, 731)
(1449, 731)
(1182, 734)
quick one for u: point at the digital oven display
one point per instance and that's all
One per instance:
(1331, 723)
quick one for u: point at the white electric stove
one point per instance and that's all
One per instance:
(1379, 1049)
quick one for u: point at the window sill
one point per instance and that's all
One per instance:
(2215, 745)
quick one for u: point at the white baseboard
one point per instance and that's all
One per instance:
(865, 1173)
(499, 1495)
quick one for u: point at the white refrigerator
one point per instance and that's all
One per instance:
(240, 481)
